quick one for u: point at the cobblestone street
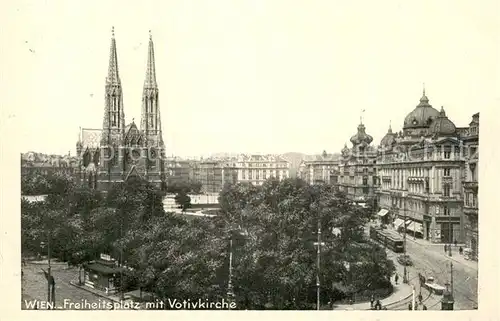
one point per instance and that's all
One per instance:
(34, 288)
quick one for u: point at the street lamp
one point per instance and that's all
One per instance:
(405, 276)
(230, 293)
(450, 230)
(319, 244)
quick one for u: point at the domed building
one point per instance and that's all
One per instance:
(418, 121)
(361, 138)
(357, 173)
(442, 126)
(389, 140)
(420, 173)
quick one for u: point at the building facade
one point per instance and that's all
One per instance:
(357, 171)
(41, 164)
(118, 151)
(179, 170)
(420, 171)
(256, 169)
(470, 186)
(213, 174)
(316, 169)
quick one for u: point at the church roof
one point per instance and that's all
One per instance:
(422, 115)
(90, 138)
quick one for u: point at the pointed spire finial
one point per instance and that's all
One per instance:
(113, 31)
(150, 81)
(390, 125)
(423, 88)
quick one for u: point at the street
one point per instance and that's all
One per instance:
(430, 260)
(34, 286)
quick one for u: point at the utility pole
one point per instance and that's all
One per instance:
(49, 297)
(413, 297)
(230, 285)
(451, 279)
(450, 232)
(318, 266)
(405, 276)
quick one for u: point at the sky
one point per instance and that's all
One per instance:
(246, 76)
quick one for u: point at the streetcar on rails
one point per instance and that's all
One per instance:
(389, 239)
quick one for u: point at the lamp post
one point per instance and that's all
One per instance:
(450, 231)
(405, 276)
(448, 301)
(318, 266)
(230, 293)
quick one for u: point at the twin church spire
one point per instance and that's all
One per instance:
(114, 117)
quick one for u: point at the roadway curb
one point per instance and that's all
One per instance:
(383, 305)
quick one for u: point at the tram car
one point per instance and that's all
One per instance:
(387, 238)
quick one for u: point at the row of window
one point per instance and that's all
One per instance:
(265, 174)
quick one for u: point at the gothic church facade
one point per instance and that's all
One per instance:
(118, 151)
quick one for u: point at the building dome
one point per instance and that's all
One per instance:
(442, 126)
(422, 115)
(389, 139)
(361, 137)
(345, 151)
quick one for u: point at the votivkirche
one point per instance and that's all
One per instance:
(117, 151)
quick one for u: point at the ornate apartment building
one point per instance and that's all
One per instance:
(213, 174)
(421, 171)
(118, 151)
(256, 169)
(470, 185)
(357, 171)
(322, 168)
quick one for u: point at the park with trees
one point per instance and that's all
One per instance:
(270, 230)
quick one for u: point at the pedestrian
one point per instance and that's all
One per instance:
(378, 305)
(420, 297)
(409, 306)
(456, 243)
(396, 278)
(460, 250)
(445, 248)
(424, 307)
(372, 300)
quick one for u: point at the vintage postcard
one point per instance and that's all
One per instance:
(188, 156)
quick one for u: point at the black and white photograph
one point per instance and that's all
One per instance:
(248, 155)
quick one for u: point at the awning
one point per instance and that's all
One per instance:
(382, 212)
(398, 222)
(416, 227)
(408, 222)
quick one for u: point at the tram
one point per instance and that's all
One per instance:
(390, 239)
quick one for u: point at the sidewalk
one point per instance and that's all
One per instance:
(401, 292)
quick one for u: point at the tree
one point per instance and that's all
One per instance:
(275, 266)
(183, 200)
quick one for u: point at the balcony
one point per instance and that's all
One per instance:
(472, 186)
(416, 179)
(470, 209)
(386, 178)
